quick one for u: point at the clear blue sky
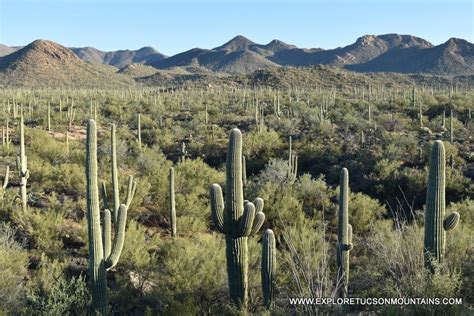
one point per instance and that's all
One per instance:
(176, 26)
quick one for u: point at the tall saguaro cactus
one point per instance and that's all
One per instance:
(344, 236)
(22, 166)
(172, 203)
(103, 254)
(436, 225)
(268, 268)
(236, 220)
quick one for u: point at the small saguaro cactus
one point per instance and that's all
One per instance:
(71, 115)
(103, 254)
(238, 220)
(292, 163)
(268, 268)
(451, 127)
(49, 117)
(172, 203)
(183, 151)
(139, 131)
(22, 166)
(344, 236)
(5, 183)
(436, 224)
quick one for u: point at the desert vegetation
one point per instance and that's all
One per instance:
(229, 198)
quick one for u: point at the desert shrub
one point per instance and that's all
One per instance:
(262, 145)
(190, 276)
(192, 181)
(44, 228)
(137, 262)
(50, 292)
(13, 269)
(304, 265)
(396, 269)
(315, 195)
(363, 212)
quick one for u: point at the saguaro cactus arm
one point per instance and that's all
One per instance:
(451, 221)
(131, 189)
(217, 207)
(246, 221)
(107, 233)
(119, 238)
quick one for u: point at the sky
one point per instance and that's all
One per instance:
(176, 26)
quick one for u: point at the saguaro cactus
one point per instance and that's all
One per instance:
(5, 183)
(103, 254)
(436, 224)
(236, 220)
(183, 151)
(451, 127)
(22, 166)
(344, 236)
(292, 162)
(139, 131)
(268, 267)
(49, 117)
(172, 203)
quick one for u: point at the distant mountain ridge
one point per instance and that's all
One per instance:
(369, 53)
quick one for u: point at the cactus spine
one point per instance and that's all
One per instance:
(268, 268)
(436, 224)
(103, 253)
(236, 220)
(344, 236)
(172, 203)
(22, 166)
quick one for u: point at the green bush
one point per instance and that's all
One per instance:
(13, 269)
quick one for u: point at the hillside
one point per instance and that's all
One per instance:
(47, 64)
(364, 49)
(138, 70)
(6, 50)
(237, 56)
(455, 57)
(303, 77)
(119, 58)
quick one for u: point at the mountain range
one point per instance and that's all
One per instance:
(396, 53)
